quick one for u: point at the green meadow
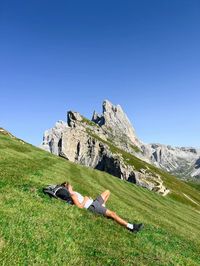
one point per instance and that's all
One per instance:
(38, 230)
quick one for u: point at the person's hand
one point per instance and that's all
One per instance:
(71, 192)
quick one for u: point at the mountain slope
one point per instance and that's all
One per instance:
(180, 161)
(101, 147)
(91, 142)
(37, 230)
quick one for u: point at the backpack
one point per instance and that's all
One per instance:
(58, 192)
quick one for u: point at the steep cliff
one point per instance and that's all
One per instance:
(107, 142)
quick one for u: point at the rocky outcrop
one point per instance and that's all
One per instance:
(180, 161)
(102, 142)
(115, 123)
(98, 143)
(91, 142)
(183, 162)
(196, 171)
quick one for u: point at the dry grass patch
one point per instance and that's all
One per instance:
(2, 243)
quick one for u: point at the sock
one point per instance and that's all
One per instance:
(130, 226)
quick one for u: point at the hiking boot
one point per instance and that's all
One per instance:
(137, 228)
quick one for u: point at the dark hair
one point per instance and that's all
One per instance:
(64, 184)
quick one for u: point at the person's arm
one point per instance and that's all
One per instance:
(77, 203)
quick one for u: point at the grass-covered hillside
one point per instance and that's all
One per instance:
(37, 230)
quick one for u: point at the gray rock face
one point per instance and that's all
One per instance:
(116, 126)
(196, 171)
(115, 121)
(183, 162)
(90, 143)
(52, 138)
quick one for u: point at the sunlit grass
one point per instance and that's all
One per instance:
(37, 230)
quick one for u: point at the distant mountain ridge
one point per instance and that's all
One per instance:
(181, 161)
(108, 142)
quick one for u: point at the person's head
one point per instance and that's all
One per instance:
(67, 185)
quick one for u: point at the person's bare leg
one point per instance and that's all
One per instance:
(105, 195)
(115, 217)
(132, 227)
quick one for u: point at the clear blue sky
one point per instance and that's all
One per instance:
(61, 55)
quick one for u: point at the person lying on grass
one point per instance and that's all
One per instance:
(98, 206)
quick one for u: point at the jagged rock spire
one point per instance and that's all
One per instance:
(114, 118)
(82, 141)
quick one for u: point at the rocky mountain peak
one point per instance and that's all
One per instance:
(114, 119)
(109, 142)
(101, 144)
(73, 118)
